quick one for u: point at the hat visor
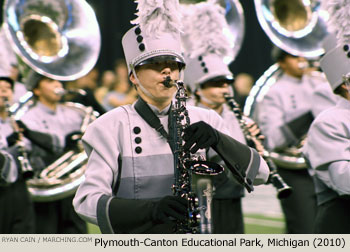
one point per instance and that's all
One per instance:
(162, 58)
(226, 78)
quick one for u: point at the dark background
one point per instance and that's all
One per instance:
(114, 19)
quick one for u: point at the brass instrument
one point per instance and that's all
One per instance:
(59, 39)
(63, 176)
(296, 26)
(299, 28)
(236, 21)
(283, 190)
(56, 38)
(193, 175)
(25, 167)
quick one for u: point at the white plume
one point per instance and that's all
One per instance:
(158, 16)
(339, 18)
(204, 26)
(187, 12)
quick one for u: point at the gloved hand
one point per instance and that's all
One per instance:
(43, 140)
(2, 162)
(12, 139)
(72, 139)
(170, 206)
(201, 135)
(23, 128)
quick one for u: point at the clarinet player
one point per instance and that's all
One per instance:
(130, 170)
(227, 205)
(210, 79)
(16, 211)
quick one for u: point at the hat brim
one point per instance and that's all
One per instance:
(162, 58)
(227, 78)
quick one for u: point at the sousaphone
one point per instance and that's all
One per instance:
(59, 39)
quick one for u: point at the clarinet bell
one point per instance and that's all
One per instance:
(29, 174)
(27, 170)
(283, 190)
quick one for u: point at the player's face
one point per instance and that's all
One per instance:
(292, 66)
(151, 77)
(215, 91)
(45, 90)
(5, 92)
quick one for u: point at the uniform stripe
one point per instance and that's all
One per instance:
(253, 166)
(103, 216)
(8, 172)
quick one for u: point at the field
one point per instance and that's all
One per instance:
(254, 224)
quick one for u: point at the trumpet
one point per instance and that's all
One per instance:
(283, 190)
(26, 168)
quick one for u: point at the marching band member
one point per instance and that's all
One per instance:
(16, 211)
(61, 125)
(210, 79)
(328, 141)
(8, 166)
(130, 170)
(284, 117)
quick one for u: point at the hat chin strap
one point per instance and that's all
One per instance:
(145, 91)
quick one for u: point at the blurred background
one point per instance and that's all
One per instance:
(114, 20)
(262, 213)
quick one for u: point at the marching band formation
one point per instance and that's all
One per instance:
(163, 146)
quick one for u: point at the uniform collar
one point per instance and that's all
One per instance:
(45, 108)
(224, 110)
(344, 103)
(158, 112)
(201, 105)
(292, 79)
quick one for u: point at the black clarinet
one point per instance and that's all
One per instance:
(283, 190)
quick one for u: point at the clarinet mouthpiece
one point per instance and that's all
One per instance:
(60, 91)
(168, 82)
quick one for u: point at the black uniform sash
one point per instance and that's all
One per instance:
(150, 117)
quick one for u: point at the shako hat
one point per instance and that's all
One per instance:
(156, 34)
